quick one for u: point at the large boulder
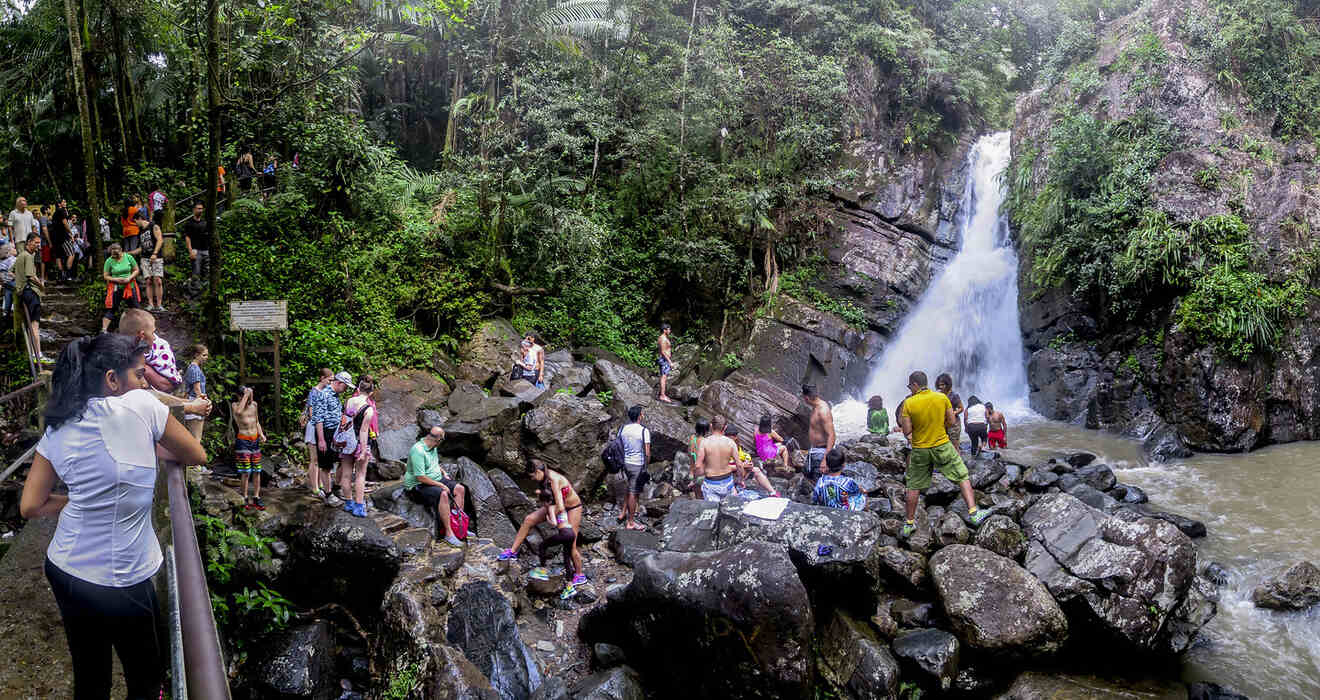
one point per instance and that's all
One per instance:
(483, 501)
(481, 425)
(743, 398)
(1292, 588)
(626, 387)
(995, 605)
(337, 558)
(481, 624)
(802, 344)
(855, 662)
(488, 353)
(399, 396)
(741, 616)
(1128, 578)
(297, 663)
(840, 554)
(568, 432)
(389, 497)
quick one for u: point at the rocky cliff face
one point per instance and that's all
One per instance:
(1153, 378)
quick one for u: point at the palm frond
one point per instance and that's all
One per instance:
(585, 19)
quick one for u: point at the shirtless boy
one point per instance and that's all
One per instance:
(997, 438)
(666, 362)
(820, 431)
(716, 457)
(247, 446)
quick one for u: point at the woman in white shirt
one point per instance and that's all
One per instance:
(975, 424)
(101, 440)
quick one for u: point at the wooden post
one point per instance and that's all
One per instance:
(242, 359)
(279, 414)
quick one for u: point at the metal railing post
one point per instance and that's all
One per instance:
(179, 686)
(203, 662)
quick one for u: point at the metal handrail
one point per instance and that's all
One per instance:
(203, 662)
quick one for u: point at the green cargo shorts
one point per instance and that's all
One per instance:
(924, 459)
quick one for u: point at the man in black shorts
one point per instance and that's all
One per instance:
(29, 289)
(426, 483)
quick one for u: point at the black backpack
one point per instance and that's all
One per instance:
(613, 453)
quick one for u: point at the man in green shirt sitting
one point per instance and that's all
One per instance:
(426, 483)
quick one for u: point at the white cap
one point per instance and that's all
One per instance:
(346, 378)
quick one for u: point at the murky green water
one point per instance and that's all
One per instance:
(1262, 511)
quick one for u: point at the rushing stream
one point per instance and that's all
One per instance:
(1261, 509)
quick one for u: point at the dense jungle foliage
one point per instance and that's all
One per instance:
(586, 167)
(1091, 226)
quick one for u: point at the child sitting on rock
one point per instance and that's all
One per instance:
(744, 465)
(833, 489)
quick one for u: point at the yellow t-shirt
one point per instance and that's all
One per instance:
(926, 410)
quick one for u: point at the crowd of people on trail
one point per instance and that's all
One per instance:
(51, 245)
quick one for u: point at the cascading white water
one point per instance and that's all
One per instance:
(966, 323)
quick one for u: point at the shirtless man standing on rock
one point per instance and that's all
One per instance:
(247, 446)
(820, 431)
(715, 459)
(666, 362)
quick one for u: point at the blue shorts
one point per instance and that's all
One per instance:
(811, 469)
(665, 367)
(247, 454)
(715, 490)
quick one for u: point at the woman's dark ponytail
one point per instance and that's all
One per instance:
(79, 371)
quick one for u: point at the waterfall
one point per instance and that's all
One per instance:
(966, 323)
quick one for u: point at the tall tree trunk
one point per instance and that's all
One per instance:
(451, 129)
(213, 158)
(682, 127)
(71, 18)
(121, 83)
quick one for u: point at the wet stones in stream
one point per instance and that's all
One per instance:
(1294, 587)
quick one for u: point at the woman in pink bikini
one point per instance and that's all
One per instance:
(769, 444)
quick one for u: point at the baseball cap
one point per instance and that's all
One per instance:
(346, 378)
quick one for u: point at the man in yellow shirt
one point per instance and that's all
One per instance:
(924, 418)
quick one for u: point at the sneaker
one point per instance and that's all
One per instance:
(360, 510)
(908, 529)
(569, 591)
(44, 359)
(333, 500)
(454, 541)
(508, 555)
(248, 505)
(162, 308)
(579, 579)
(258, 504)
(539, 573)
(979, 516)
(348, 507)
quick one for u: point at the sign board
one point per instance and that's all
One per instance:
(258, 315)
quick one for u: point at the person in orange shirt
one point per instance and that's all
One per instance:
(220, 183)
(128, 221)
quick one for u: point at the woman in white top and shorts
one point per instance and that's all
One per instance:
(101, 439)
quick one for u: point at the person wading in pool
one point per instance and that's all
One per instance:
(925, 419)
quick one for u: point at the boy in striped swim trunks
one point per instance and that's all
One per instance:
(247, 447)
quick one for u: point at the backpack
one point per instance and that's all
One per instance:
(613, 453)
(458, 520)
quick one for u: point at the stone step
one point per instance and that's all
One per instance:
(390, 523)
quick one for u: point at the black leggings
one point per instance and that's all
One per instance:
(977, 432)
(565, 536)
(97, 618)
